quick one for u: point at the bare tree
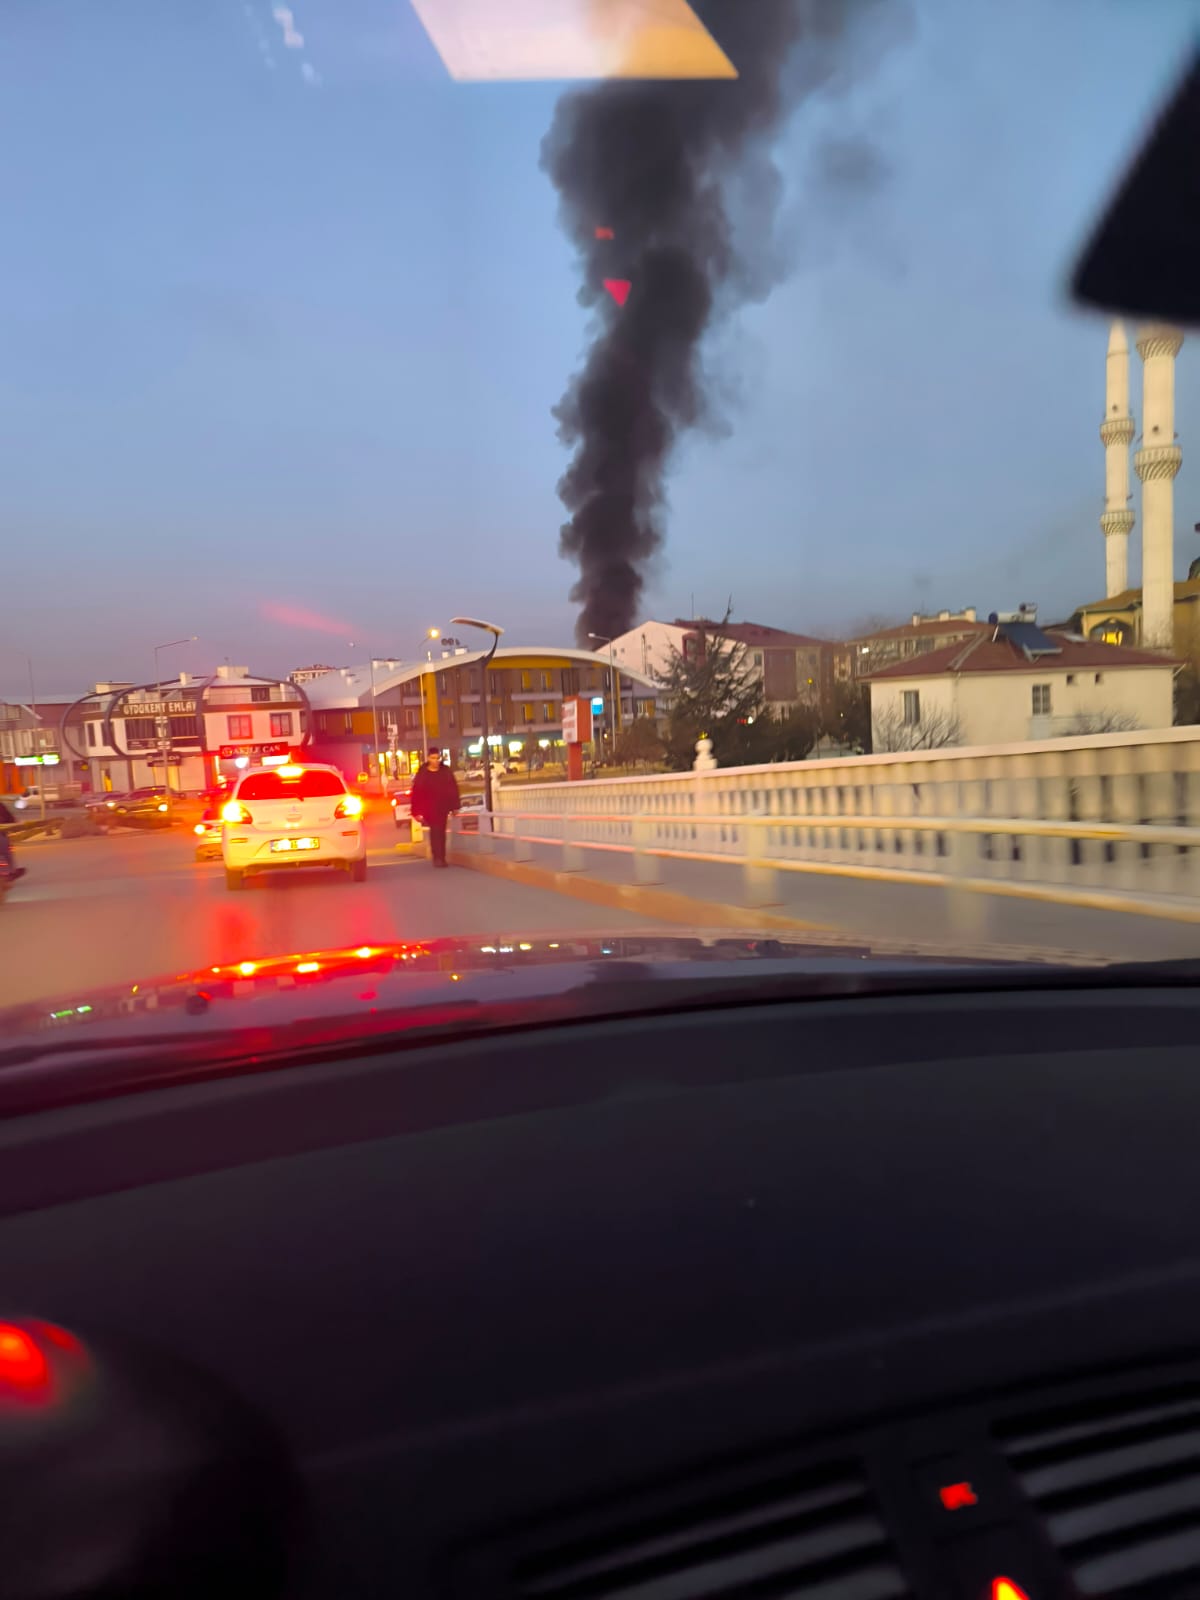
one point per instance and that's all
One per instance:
(1105, 720)
(889, 731)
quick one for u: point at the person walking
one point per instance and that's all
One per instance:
(434, 796)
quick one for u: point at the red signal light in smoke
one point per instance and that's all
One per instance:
(619, 289)
(605, 233)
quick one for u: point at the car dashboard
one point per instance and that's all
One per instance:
(851, 1298)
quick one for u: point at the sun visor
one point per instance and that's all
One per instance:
(1144, 258)
(483, 40)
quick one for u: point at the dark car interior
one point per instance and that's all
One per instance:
(861, 1297)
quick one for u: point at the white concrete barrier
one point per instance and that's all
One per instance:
(1109, 815)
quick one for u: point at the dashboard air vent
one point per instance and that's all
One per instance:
(817, 1537)
(1118, 1485)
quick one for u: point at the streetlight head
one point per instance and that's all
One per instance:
(434, 633)
(476, 622)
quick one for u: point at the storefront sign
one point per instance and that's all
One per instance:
(158, 708)
(576, 720)
(49, 759)
(230, 752)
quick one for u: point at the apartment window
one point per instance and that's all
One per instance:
(474, 717)
(281, 724)
(1099, 677)
(527, 680)
(442, 678)
(547, 712)
(912, 707)
(451, 716)
(240, 727)
(1070, 677)
(411, 719)
(547, 680)
(1041, 699)
(347, 722)
(185, 728)
(570, 680)
(260, 692)
(758, 658)
(527, 712)
(91, 733)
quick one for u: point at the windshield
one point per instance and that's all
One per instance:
(647, 462)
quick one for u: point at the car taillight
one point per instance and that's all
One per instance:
(200, 828)
(349, 805)
(235, 811)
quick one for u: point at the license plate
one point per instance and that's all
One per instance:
(294, 844)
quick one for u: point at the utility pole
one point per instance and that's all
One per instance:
(614, 690)
(162, 722)
(41, 769)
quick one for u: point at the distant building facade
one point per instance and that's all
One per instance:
(188, 732)
(793, 668)
(399, 712)
(1014, 682)
(866, 653)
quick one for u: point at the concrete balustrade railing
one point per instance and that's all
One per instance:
(1111, 812)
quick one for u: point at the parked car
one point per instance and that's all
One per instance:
(469, 813)
(400, 800)
(208, 830)
(140, 808)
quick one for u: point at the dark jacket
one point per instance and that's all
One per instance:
(434, 795)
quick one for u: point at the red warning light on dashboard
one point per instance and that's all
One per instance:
(957, 1496)
(1006, 1589)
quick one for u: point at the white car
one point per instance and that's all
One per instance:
(292, 816)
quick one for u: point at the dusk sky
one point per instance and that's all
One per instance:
(282, 329)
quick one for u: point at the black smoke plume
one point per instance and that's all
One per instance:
(682, 176)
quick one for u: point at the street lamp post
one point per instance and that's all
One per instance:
(430, 635)
(162, 723)
(613, 689)
(389, 663)
(495, 631)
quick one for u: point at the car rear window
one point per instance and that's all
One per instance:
(304, 786)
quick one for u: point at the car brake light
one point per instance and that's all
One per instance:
(289, 771)
(199, 828)
(235, 811)
(22, 1364)
(162, 805)
(349, 805)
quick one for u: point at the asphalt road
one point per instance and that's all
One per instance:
(128, 907)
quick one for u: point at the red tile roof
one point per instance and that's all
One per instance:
(1001, 655)
(926, 630)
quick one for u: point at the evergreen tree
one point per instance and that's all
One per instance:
(716, 693)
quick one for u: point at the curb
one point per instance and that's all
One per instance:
(665, 905)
